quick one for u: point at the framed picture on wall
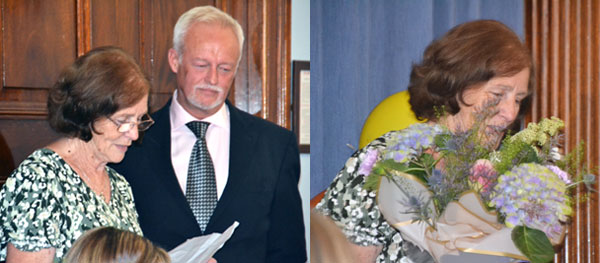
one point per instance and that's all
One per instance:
(301, 103)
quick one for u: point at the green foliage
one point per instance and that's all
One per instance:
(533, 244)
(513, 153)
(421, 166)
(390, 164)
(573, 161)
(441, 140)
(380, 169)
(573, 164)
(439, 111)
(372, 182)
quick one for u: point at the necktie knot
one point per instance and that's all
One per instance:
(198, 128)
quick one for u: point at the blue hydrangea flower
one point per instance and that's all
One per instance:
(533, 195)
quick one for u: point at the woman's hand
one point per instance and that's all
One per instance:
(13, 255)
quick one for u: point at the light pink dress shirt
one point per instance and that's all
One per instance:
(183, 139)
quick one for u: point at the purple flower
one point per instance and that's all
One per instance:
(436, 180)
(411, 143)
(562, 174)
(367, 164)
(531, 194)
(513, 220)
(400, 157)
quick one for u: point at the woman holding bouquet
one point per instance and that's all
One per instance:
(475, 66)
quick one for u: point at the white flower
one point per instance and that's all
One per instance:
(24, 205)
(373, 232)
(372, 214)
(362, 193)
(27, 184)
(56, 192)
(555, 154)
(356, 213)
(495, 157)
(10, 184)
(347, 208)
(350, 225)
(23, 222)
(350, 165)
(397, 239)
(38, 170)
(44, 215)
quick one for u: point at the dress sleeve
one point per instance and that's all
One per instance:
(354, 209)
(30, 213)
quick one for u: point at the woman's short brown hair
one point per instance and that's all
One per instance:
(109, 244)
(468, 54)
(97, 84)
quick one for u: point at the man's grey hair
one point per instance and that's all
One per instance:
(204, 14)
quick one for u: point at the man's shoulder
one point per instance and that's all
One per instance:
(257, 123)
(149, 143)
(162, 113)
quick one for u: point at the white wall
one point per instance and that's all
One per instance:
(301, 51)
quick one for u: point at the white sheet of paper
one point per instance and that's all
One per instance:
(202, 248)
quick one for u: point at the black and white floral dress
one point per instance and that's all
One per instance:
(44, 204)
(355, 209)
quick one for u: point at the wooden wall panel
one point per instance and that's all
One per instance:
(565, 40)
(20, 135)
(265, 89)
(116, 23)
(158, 20)
(7, 164)
(39, 38)
(248, 85)
(277, 35)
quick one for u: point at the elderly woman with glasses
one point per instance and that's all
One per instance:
(99, 104)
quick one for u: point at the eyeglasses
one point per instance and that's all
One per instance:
(142, 125)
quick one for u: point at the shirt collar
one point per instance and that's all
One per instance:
(179, 116)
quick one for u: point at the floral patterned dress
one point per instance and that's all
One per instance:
(355, 210)
(44, 204)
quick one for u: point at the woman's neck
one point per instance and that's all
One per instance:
(80, 154)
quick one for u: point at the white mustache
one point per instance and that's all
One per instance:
(209, 87)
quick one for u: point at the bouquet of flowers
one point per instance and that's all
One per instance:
(449, 192)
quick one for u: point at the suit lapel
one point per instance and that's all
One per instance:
(242, 138)
(165, 174)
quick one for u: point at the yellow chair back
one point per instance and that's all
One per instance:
(393, 113)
